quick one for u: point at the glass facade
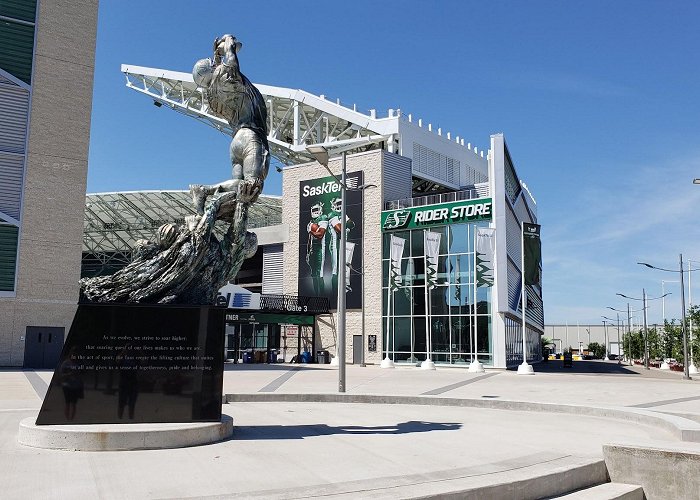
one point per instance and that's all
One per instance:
(452, 316)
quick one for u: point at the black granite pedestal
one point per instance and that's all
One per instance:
(132, 363)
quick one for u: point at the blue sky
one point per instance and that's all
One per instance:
(598, 101)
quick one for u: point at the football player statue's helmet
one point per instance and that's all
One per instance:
(317, 210)
(337, 204)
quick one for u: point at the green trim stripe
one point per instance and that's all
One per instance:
(256, 317)
(8, 257)
(17, 49)
(24, 10)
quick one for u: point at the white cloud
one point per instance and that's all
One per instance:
(590, 253)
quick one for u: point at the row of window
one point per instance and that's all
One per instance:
(443, 300)
(454, 239)
(451, 338)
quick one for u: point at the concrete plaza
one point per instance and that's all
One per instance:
(400, 433)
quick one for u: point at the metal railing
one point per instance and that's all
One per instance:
(432, 199)
(294, 304)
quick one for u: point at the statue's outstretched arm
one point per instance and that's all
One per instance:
(225, 48)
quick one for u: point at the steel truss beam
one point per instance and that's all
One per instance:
(114, 221)
(296, 119)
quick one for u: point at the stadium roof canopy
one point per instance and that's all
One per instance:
(114, 221)
(296, 119)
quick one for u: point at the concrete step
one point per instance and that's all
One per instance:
(663, 469)
(527, 477)
(608, 491)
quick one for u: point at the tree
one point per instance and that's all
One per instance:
(634, 344)
(598, 350)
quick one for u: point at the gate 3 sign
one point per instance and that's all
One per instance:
(438, 215)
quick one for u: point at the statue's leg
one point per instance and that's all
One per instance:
(200, 192)
(255, 161)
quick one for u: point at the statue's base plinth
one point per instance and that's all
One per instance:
(114, 437)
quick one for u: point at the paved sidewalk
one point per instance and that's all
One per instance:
(611, 385)
(348, 450)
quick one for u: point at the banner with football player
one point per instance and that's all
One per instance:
(319, 238)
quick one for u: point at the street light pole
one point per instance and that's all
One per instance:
(629, 327)
(646, 330)
(619, 346)
(692, 369)
(342, 277)
(686, 367)
(644, 315)
(686, 374)
(320, 153)
(629, 333)
(605, 328)
(618, 340)
(664, 364)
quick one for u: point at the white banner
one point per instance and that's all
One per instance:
(349, 251)
(485, 251)
(396, 252)
(432, 248)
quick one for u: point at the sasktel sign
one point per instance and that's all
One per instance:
(455, 212)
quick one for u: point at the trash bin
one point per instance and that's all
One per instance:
(323, 357)
(568, 360)
(247, 357)
(273, 356)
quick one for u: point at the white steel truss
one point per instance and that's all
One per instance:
(114, 221)
(296, 119)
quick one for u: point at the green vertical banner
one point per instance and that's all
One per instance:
(396, 252)
(532, 253)
(431, 244)
(485, 250)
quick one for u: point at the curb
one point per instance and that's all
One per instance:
(682, 428)
(114, 437)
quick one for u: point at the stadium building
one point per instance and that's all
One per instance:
(407, 182)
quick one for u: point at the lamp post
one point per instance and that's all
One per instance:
(664, 364)
(618, 337)
(692, 369)
(686, 367)
(644, 314)
(605, 329)
(320, 153)
(629, 328)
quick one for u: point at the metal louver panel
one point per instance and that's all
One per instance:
(434, 164)
(8, 257)
(11, 173)
(24, 10)
(5, 81)
(273, 270)
(396, 183)
(14, 109)
(16, 49)
(514, 284)
(482, 189)
(513, 237)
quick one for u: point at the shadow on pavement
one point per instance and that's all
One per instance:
(257, 432)
(579, 367)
